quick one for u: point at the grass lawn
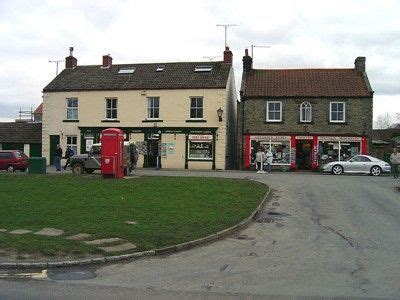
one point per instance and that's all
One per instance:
(168, 210)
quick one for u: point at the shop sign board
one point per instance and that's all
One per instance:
(304, 137)
(270, 137)
(200, 137)
(89, 144)
(339, 138)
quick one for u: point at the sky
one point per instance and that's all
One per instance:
(301, 34)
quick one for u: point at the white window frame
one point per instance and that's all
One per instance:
(151, 107)
(72, 145)
(344, 112)
(267, 119)
(197, 108)
(306, 105)
(72, 108)
(112, 108)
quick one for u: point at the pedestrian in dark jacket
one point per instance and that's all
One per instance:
(57, 158)
(68, 154)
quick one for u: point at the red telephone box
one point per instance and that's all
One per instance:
(112, 153)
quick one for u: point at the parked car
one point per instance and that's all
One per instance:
(358, 164)
(12, 160)
(91, 162)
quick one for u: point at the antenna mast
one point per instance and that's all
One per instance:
(57, 61)
(211, 58)
(226, 29)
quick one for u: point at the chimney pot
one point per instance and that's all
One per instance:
(247, 61)
(70, 61)
(228, 56)
(359, 64)
(107, 61)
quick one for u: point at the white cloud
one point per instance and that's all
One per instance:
(301, 33)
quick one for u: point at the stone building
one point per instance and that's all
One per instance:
(183, 112)
(307, 117)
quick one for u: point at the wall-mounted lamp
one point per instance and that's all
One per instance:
(219, 113)
(62, 135)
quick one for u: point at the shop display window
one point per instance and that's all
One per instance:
(337, 151)
(200, 150)
(280, 151)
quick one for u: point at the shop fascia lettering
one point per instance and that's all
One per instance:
(200, 137)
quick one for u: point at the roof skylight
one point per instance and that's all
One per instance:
(203, 68)
(126, 70)
(160, 68)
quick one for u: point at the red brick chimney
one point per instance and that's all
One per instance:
(107, 61)
(228, 56)
(70, 61)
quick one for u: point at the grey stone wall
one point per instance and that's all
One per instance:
(358, 118)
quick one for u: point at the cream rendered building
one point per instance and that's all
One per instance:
(184, 113)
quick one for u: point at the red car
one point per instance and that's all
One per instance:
(12, 160)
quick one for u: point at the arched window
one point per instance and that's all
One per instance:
(305, 112)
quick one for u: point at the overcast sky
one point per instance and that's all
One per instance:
(302, 34)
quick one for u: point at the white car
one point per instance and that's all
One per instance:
(358, 164)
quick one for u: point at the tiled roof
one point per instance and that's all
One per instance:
(20, 132)
(39, 109)
(180, 75)
(305, 83)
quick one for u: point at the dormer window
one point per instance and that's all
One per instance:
(160, 68)
(305, 112)
(126, 70)
(203, 68)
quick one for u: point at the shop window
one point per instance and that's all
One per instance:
(111, 108)
(72, 108)
(337, 112)
(280, 151)
(153, 107)
(72, 143)
(305, 112)
(274, 111)
(329, 151)
(196, 108)
(200, 147)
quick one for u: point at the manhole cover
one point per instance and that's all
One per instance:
(72, 275)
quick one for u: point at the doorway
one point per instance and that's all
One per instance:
(153, 144)
(54, 141)
(303, 154)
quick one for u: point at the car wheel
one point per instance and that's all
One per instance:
(10, 169)
(337, 169)
(376, 171)
(77, 168)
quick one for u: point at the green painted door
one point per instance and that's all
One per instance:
(54, 140)
(13, 146)
(35, 150)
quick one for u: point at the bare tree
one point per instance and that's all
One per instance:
(384, 121)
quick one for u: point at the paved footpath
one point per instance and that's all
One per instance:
(327, 236)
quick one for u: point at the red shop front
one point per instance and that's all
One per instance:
(303, 152)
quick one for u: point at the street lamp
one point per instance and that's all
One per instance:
(219, 113)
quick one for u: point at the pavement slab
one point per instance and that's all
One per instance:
(103, 241)
(20, 231)
(79, 237)
(119, 248)
(48, 231)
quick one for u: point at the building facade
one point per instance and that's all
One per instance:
(24, 136)
(307, 117)
(182, 115)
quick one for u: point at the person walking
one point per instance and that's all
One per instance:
(68, 154)
(57, 158)
(395, 160)
(269, 156)
(260, 158)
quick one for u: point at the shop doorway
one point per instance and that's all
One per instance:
(303, 154)
(153, 142)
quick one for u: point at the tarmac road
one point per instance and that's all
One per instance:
(320, 235)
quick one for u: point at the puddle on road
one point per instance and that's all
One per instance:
(71, 275)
